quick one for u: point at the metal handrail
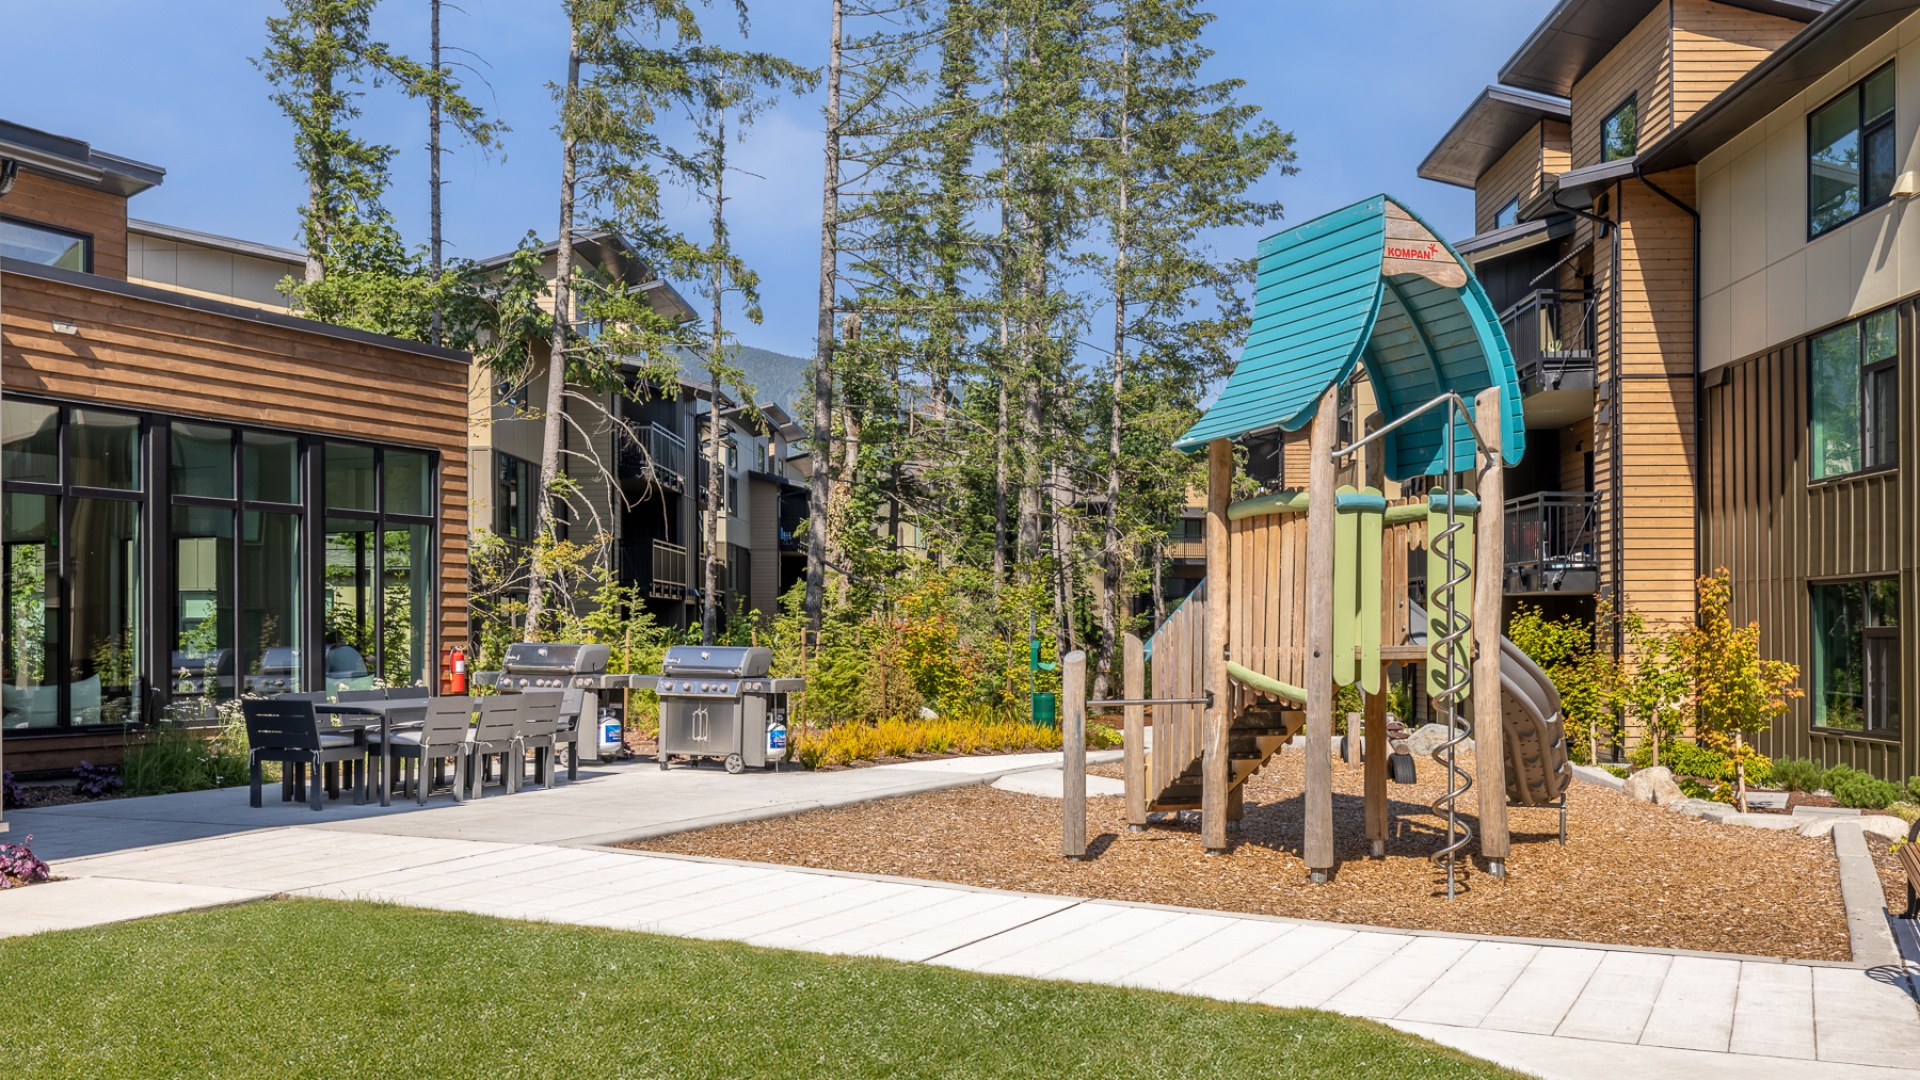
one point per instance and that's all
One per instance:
(1460, 407)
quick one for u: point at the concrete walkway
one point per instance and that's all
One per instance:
(1552, 1009)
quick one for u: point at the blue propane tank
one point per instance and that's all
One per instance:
(777, 738)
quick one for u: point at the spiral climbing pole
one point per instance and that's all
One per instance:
(1450, 671)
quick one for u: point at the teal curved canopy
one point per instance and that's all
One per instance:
(1371, 284)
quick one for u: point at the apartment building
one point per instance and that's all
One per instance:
(1690, 215)
(204, 496)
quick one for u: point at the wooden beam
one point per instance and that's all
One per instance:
(1318, 845)
(1215, 761)
(1073, 740)
(1490, 759)
(1374, 706)
(1133, 687)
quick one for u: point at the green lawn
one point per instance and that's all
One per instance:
(311, 988)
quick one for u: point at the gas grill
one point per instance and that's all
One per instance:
(718, 701)
(580, 671)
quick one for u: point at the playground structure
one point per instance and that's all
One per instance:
(1311, 588)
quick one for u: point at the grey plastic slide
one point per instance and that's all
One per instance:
(1535, 734)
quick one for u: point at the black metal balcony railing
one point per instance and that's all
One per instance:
(1551, 333)
(657, 566)
(1551, 538)
(655, 455)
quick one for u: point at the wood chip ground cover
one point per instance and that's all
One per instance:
(1630, 874)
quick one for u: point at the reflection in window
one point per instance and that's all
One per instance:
(513, 507)
(1620, 132)
(32, 441)
(1856, 655)
(270, 467)
(202, 653)
(1850, 153)
(408, 479)
(406, 593)
(1853, 414)
(106, 450)
(30, 696)
(350, 477)
(1507, 215)
(270, 628)
(46, 247)
(203, 460)
(104, 611)
(350, 619)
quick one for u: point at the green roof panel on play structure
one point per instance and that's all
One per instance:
(1371, 284)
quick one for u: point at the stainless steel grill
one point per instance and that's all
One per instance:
(719, 701)
(579, 671)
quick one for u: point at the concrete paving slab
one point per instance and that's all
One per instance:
(1773, 1015)
(1538, 1001)
(1468, 990)
(1403, 977)
(1617, 999)
(1186, 963)
(1575, 1059)
(1245, 978)
(1694, 1009)
(83, 902)
(1333, 971)
(1051, 784)
(1865, 1017)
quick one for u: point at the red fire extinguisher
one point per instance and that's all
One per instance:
(457, 670)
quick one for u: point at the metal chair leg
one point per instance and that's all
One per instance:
(253, 771)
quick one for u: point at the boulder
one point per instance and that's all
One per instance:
(1423, 741)
(1653, 785)
(1882, 825)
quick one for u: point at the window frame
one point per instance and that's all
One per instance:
(1868, 632)
(86, 238)
(1862, 130)
(1510, 210)
(1631, 101)
(1863, 372)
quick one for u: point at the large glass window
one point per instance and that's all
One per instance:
(513, 507)
(1856, 656)
(378, 570)
(45, 246)
(201, 657)
(1620, 131)
(1850, 153)
(72, 623)
(203, 461)
(1853, 415)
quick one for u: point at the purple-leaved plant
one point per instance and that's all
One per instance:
(18, 865)
(11, 797)
(95, 781)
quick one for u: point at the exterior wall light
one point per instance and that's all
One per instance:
(60, 327)
(1907, 186)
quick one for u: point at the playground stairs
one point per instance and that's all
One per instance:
(1255, 735)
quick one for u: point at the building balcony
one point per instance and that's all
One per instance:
(654, 457)
(657, 567)
(1551, 333)
(1552, 539)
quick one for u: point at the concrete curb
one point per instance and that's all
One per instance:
(834, 802)
(1865, 901)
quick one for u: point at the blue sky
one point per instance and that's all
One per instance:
(1366, 86)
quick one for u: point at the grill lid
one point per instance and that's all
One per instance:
(738, 661)
(536, 658)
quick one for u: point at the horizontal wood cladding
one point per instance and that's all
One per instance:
(1641, 66)
(136, 353)
(1776, 533)
(100, 214)
(1521, 171)
(1714, 45)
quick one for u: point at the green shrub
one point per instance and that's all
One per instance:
(1694, 789)
(1857, 789)
(1913, 789)
(1798, 774)
(174, 758)
(1836, 776)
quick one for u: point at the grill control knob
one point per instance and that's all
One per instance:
(686, 686)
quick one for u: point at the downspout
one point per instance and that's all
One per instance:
(1612, 230)
(1699, 404)
(9, 170)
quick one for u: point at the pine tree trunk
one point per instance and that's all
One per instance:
(716, 427)
(434, 251)
(554, 420)
(1000, 472)
(817, 490)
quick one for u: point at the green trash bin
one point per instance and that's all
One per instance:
(1046, 710)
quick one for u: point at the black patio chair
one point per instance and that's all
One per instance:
(495, 736)
(407, 693)
(539, 732)
(289, 732)
(443, 735)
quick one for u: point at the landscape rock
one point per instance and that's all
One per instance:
(1655, 785)
(1882, 825)
(1423, 741)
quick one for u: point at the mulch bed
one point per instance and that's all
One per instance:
(1630, 874)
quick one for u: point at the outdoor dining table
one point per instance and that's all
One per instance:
(389, 715)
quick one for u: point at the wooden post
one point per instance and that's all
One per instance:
(1214, 760)
(1133, 687)
(1318, 678)
(1073, 740)
(1490, 545)
(1374, 759)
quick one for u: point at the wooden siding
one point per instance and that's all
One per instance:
(139, 353)
(1775, 532)
(1715, 44)
(1641, 65)
(75, 208)
(1515, 175)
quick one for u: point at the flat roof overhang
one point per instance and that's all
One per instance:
(1497, 119)
(1513, 239)
(1576, 189)
(76, 161)
(1813, 54)
(1576, 34)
